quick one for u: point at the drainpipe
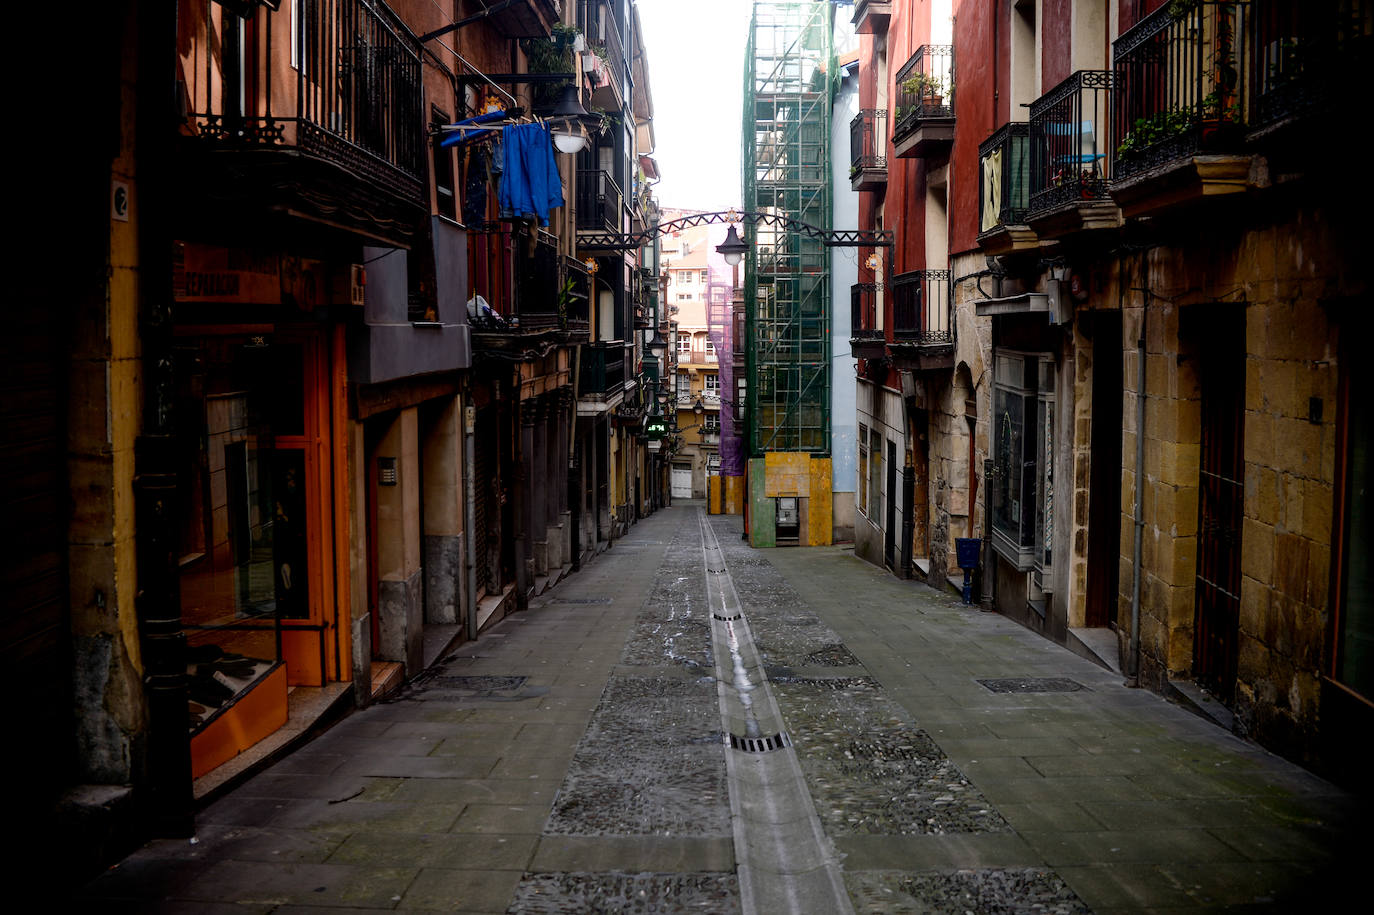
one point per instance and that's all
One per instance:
(470, 510)
(1133, 675)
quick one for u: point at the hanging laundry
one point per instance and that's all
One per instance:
(475, 191)
(530, 185)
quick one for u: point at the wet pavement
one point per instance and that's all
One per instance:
(617, 748)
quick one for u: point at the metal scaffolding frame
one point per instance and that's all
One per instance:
(789, 70)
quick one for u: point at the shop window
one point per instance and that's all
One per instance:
(1023, 468)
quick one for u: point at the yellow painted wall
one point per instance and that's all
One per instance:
(734, 495)
(819, 529)
(787, 474)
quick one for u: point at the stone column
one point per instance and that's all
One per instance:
(399, 607)
(563, 467)
(529, 410)
(537, 463)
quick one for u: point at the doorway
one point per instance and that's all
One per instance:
(1104, 486)
(1221, 499)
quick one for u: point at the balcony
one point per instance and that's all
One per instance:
(923, 119)
(596, 19)
(1182, 82)
(871, 16)
(1304, 55)
(576, 294)
(866, 339)
(868, 150)
(1004, 190)
(603, 370)
(523, 18)
(599, 201)
(922, 321)
(330, 125)
(1070, 174)
(547, 291)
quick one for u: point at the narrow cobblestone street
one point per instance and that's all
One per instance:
(598, 753)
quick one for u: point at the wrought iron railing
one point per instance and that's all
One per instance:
(1004, 177)
(1304, 53)
(355, 71)
(537, 283)
(925, 88)
(922, 309)
(864, 305)
(603, 368)
(576, 294)
(596, 19)
(1068, 141)
(1182, 78)
(599, 199)
(868, 139)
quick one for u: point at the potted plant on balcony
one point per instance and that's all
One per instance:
(928, 88)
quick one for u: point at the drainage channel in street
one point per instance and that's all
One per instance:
(785, 862)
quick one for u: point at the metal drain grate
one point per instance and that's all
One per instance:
(1033, 685)
(759, 744)
(582, 600)
(726, 619)
(833, 683)
(479, 684)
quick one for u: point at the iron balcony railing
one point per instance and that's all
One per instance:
(599, 199)
(338, 80)
(596, 19)
(1304, 53)
(865, 304)
(537, 286)
(603, 368)
(868, 139)
(576, 295)
(1182, 79)
(922, 308)
(1004, 177)
(1068, 141)
(925, 88)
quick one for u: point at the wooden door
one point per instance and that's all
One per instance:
(1221, 499)
(1104, 487)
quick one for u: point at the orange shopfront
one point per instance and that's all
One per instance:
(262, 530)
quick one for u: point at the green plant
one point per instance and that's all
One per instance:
(924, 85)
(1146, 132)
(550, 55)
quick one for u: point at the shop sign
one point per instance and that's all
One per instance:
(210, 273)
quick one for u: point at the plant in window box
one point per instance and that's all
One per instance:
(1147, 132)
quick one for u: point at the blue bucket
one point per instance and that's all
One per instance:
(968, 550)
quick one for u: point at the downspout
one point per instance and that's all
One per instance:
(1133, 676)
(470, 509)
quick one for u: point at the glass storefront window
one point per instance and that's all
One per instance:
(1023, 464)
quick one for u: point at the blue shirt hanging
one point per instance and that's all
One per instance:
(530, 185)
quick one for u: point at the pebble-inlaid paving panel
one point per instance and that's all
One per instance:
(652, 762)
(986, 891)
(559, 893)
(870, 772)
(674, 626)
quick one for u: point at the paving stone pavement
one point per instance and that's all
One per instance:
(572, 760)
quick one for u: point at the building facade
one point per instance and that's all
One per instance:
(335, 396)
(1110, 349)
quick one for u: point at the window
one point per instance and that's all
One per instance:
(684, 346)
(710, 350)
(705, 277)
(445, 201)
(875, 474)
(1023, 469)
(710, 424)
(686, 277)
(713, 464)
(684, 388)
(861, 503)
(712, 385)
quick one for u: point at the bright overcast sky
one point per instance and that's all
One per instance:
(696, 75)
